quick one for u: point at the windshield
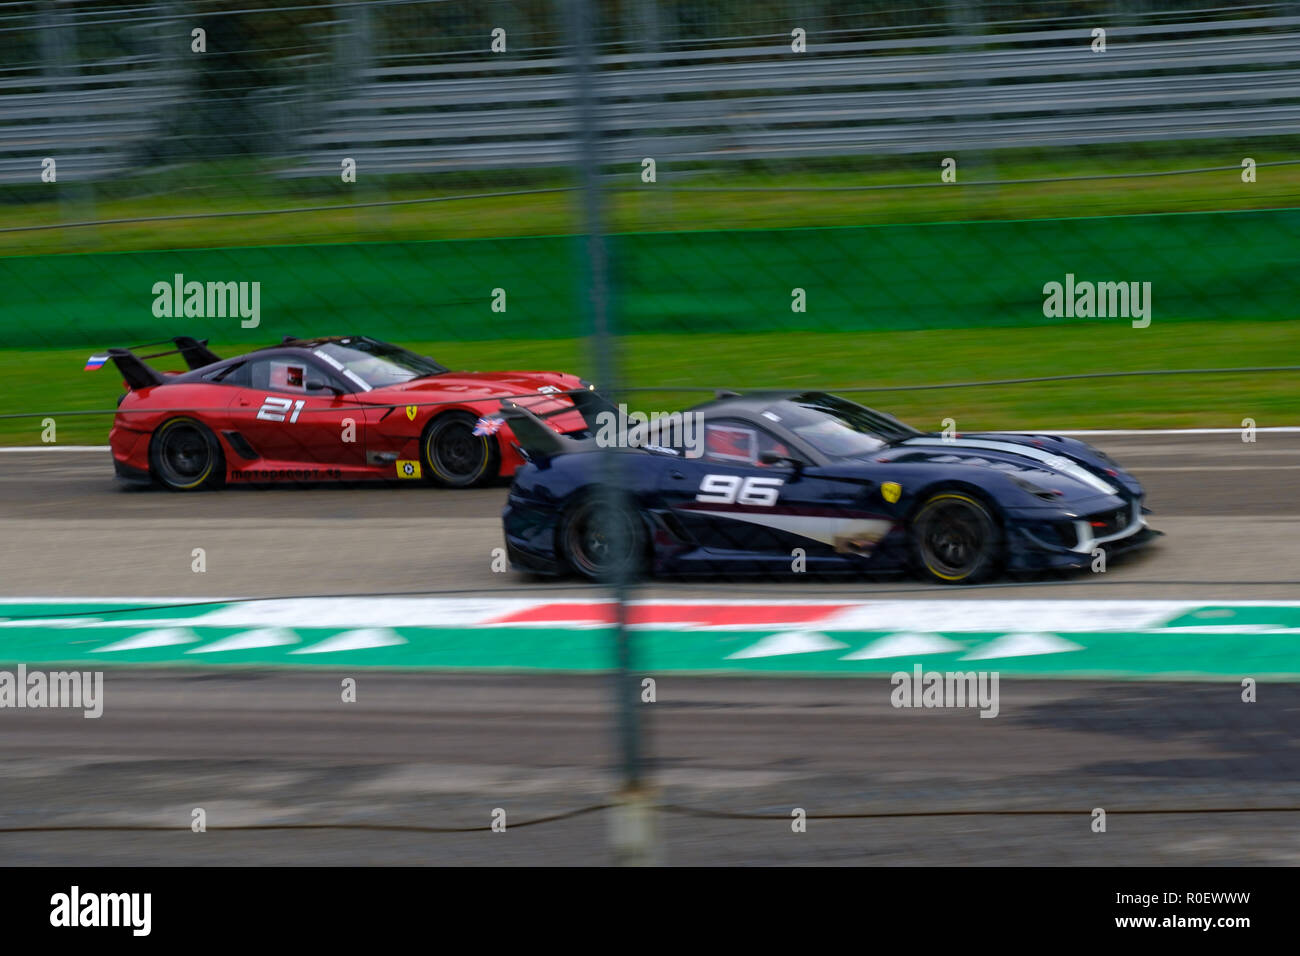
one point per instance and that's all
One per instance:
(377, 363)
(838, 428)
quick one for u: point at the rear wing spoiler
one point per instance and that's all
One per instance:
(591, 403)
(138, 375)
(195, 352)
(538, 441)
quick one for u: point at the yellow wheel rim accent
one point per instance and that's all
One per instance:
(956, 497)
(432, 462)
(211, 458)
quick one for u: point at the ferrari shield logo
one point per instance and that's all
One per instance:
(408, 469)
(891, 491)
(411, 410)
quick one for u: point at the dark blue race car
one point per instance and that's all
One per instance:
(776, 482)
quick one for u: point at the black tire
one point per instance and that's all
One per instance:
(602, 540)
(184, 455)
(955, 539)
(454, 457)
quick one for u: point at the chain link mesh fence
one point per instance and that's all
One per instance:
(772, 170)
(868, 199)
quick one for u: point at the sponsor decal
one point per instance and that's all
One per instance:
(284, 474)
(408, 469)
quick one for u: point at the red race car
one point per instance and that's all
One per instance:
(326, 409)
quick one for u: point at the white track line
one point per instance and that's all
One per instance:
(1285, 429)
(1274, 429)
(31, 448)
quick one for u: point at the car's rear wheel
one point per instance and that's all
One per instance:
(184, 455)
(454, 456)
(955, 539)
(603, 540)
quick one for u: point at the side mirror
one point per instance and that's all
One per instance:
(772, 458)
(316, 385)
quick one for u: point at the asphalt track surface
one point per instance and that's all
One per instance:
(731, 757)
(1228, 508)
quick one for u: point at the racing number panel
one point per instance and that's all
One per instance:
(285, 422)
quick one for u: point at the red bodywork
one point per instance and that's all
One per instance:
(387, 421)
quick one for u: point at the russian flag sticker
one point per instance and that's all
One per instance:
(95, 362)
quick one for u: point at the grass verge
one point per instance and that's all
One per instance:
(634, 206)
(51, 383)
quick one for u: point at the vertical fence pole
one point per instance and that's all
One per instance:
(631, 835)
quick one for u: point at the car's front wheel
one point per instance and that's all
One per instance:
(454, 456)
(955, 539)
(184, 455)
(603, 540)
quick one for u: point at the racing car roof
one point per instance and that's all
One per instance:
(752, 405)
(752, 402)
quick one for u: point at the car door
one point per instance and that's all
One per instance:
(726, 500)
(729, 501)
(289, 410)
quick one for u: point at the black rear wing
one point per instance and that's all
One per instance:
(591, 403)
(195, 352)
(138, 375)
(537, 440)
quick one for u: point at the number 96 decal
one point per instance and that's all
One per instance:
(733, 489)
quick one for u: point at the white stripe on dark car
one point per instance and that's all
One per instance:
(1055, 462)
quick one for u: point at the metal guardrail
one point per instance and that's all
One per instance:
(899, 95)
(776, 104)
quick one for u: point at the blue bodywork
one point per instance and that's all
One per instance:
(1056, 499)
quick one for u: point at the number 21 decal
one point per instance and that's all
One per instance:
(732, 489)
(275, 409)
